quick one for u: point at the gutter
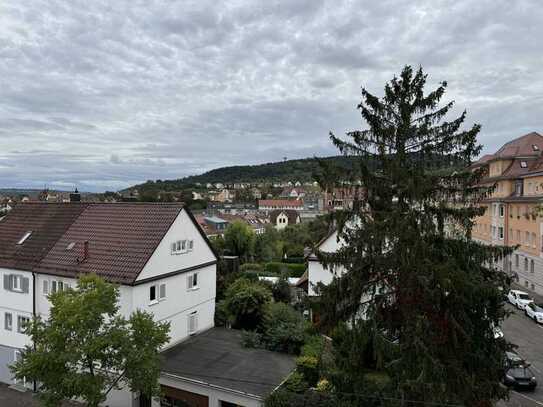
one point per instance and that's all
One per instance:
(213, 386)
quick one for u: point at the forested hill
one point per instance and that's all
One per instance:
(301, 170)
(291, 170)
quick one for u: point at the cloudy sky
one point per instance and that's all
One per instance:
(104, 94)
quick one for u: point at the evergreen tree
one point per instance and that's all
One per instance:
(437, 296)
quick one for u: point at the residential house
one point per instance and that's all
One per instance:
(266, 205)
(316, 271)
(282, 218)
(292, 193)
(511, 217)
(157, 254)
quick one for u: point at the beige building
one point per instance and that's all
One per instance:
(511, 218)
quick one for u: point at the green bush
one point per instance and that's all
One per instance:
(251, 339)
(314, 346)
(296, 383)
(284, 329)
(277, 268)
(245, 302)
(251, 267)
(308, 366)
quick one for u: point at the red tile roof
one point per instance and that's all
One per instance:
(47, 221)
(121, 236)
(279, 203)
(530, 144)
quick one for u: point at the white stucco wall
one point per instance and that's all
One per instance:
(316, 271)
(162, 261)
(17, 304)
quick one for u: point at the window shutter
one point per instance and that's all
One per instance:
(195, 279)
(7, 282)
(25, 284)
(45, 286)
(162, 293)
(173, 247)
(189, 281)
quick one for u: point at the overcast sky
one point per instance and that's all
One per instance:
(105, 94)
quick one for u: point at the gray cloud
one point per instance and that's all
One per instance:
(105, 94)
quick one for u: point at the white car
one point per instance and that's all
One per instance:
(534, 311)
(519, 298)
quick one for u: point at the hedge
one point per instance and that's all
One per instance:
(277, 268)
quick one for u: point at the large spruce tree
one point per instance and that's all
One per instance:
(408, 259)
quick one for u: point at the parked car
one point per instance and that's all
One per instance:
(519, 298)
(518, 373)
(534, 311)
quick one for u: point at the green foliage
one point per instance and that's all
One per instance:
(313, 347)
(284, 329)
(245, 303)
(278, 268)
(296, 383)
(439, 296)
(281, 290)
(308, 366)
(251, 267)
(252, 339)
(85, 331)
(239, 240)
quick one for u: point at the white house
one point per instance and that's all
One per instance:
(280, 219)
(156, 253)
(316, 272)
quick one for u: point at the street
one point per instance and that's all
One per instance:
(528, 335)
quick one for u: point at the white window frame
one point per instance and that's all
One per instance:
(25, 236)
(192, 322)
(190, 282)
(8, 327)
(17, 282)
(45, 287)
(500, 232)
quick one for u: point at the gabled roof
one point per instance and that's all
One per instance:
(47, 221)
(278, 203)
(122, 237)
(291, 214)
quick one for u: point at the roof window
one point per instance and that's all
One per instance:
(25, 236)
(535, 147)
(70, 246)
(523, 164)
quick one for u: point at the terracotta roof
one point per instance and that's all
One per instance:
(530, 144)
(279, 203)
(47, 221)
(121, 239)
(121, 236)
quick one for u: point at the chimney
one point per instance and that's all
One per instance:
(75, 196)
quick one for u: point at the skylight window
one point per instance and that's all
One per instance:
(523, 164)
(70, 246)
(536, 148)
(25, 236)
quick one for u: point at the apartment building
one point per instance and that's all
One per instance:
(511, 217)
(156, 253)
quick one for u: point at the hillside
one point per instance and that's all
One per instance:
(292, 170)
(302, 170)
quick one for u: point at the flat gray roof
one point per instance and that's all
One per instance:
(217, 357)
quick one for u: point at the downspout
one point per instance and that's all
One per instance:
(34, 384)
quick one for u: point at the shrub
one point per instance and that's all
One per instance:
(245, 303)
(251, 267)
(281, 290)
(284, 328)
(296, 383)
(308, 366)
(251, 339)
(277, 268)
(314, 346)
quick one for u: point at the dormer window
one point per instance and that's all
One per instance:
(25, 236)
(523, 164)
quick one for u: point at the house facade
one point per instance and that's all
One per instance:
(511, 217)
(266, 205)
(156, 253)
(280, 219)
